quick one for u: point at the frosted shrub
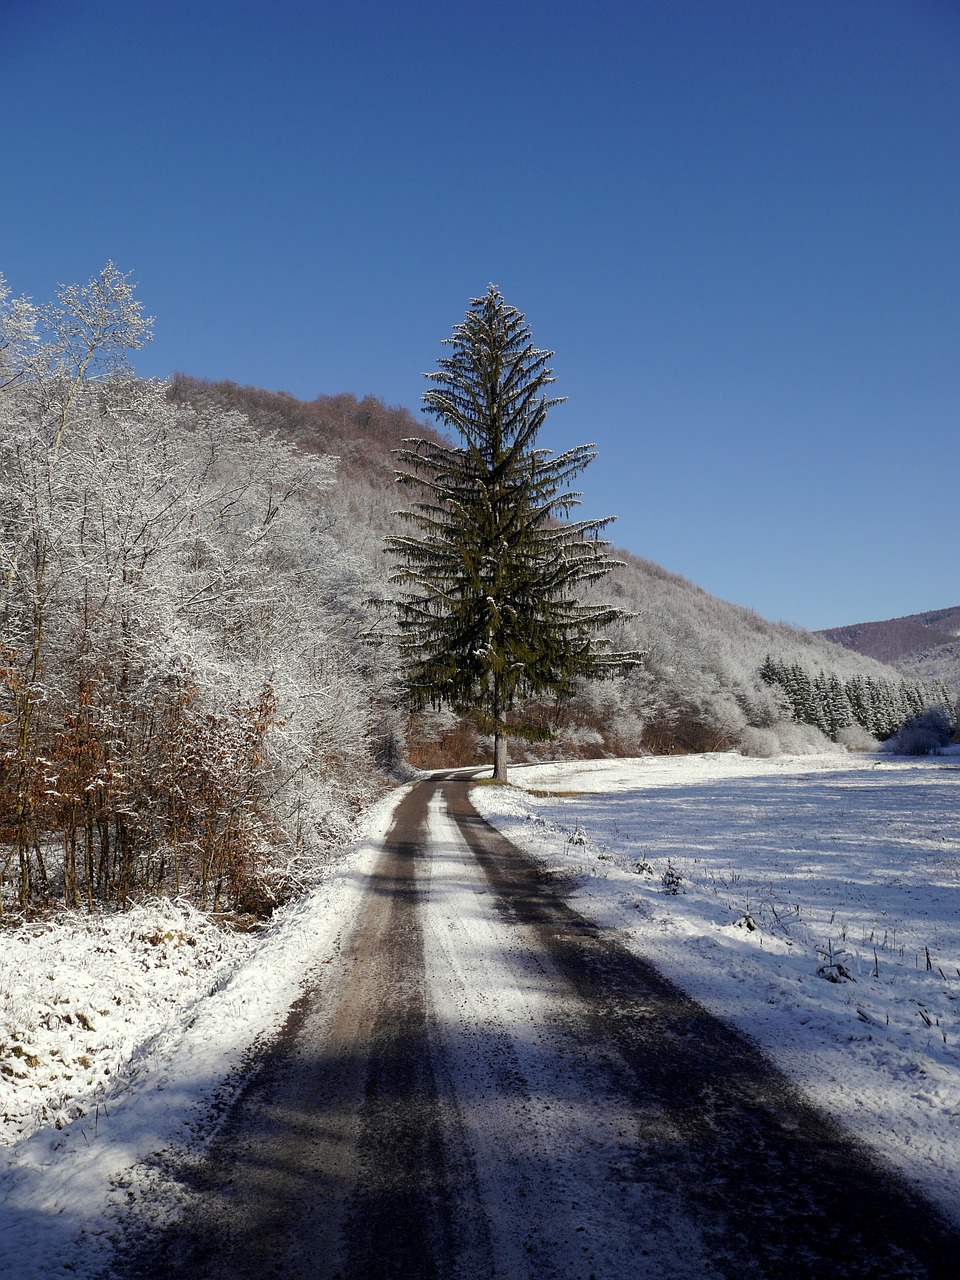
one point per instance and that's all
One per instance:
(803, 740)
(671, 880)
(581, 740)
(854, 738)
(923, 735)
(784, 738)
(759, 743)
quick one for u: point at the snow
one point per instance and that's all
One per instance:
(811, 901)
(84, 999)
(118, 1033)
(545, 1117)
(124, 1030)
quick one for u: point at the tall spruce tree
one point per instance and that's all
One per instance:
(489, 612)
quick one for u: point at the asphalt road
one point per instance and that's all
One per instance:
(484, 1084)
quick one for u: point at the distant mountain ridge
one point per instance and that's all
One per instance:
(923, 645)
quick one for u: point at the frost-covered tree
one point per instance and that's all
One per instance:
(182, 707)
(831, 705)
(491, 612)
(839, 713)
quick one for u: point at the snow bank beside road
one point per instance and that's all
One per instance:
(154, 1065)
(82, 999)
(812, 901)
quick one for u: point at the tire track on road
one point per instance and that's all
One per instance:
(485, 1084)
(332, 1163)
(774, 1186)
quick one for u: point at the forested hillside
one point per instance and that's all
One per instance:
(700, 687)
(198, 683)
(924, 646)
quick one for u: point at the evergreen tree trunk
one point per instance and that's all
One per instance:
(500, 757)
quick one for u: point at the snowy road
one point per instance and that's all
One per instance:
(487, 1085)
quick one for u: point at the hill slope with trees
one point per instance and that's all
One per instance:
(925, 646)
(199, 676)
(700, 685)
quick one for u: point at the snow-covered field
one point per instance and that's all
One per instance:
(813, 901)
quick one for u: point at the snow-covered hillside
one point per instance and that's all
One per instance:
(699, 687)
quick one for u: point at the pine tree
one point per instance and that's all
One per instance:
(819, 708)
(887, 712)
(839, 711)
(489, 613)
(861, 702)
(802, 695)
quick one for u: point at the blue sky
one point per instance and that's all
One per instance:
(735, 222)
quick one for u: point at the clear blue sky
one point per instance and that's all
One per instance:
(735, 222)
